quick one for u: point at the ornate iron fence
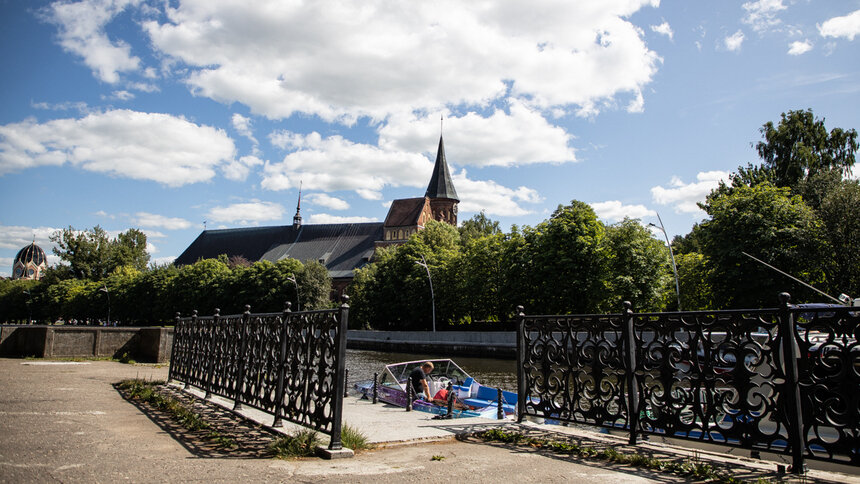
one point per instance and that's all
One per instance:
(291, 365)
(717, 376)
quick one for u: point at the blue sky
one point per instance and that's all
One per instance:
(165, 115)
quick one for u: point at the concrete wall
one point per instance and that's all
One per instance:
(142, 344)
(496, 344)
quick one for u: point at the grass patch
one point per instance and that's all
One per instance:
(352, 438)
(688, 468)
(145, 391)
(301, 443)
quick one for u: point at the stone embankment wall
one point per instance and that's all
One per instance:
(496, 344)
(141, 344)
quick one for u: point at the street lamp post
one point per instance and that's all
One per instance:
(672, 255)
(105, 290)
(423, 264)
(298, 303)
(29, 308)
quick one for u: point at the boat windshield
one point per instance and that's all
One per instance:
(442, 369)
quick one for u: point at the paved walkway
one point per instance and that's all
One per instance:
(64, 421)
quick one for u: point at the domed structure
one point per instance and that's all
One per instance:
(30, 263)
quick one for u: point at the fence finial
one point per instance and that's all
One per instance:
(345, 300)
(520, 311)
(288, 306)
(628, 306)
(217, 311)
(248, 308)
(784, 297)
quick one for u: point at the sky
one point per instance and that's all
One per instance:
(173, 115)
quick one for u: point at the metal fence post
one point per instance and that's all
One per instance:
(450, 401)
(282, 357)
(243, 346)
(500, 411)
(375, 388)
(346, 383)
(793, 413)
(177, 335)
(409, 392)
(521, 361)
(211, 365)
(629, 345)
(340, 376)
(193, 347)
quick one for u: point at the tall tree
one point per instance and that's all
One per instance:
(91, 254)
(770, 224)
(638, 267)
(800, 146)
(563, 262)
(478, 226)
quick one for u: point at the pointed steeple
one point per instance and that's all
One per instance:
(297, 219)
(441, 185)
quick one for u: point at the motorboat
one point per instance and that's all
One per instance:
(470, 398)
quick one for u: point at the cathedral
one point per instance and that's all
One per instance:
(341, 248)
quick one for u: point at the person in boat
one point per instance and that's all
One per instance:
(418, 380)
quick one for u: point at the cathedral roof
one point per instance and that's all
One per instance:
(405, 212)
(340, 247)
(32, 253)
(441, 185)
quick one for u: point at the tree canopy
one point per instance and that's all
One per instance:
(91, 254)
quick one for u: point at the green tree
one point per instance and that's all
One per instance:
(839, 212)
(694, 281)
(92, 255)
(800, 146)
(637, 265)
(562, 263)
(770, 224)
(478, 226)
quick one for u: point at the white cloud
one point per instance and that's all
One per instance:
(17, 237)
(762, 14)
(143, 146)
(733, 42)
(494, 199)
(121, 95)
(684, 196)
(663, 29)
(522, 137)
(145, 219)
(328, 201)
(82, 32)
(162, 260)
(799, 47)
(334, 163)
(79, 106)
(374, 58)
(242, 125)
(324, 218)
(151, 248)
(247, 213)
(614, 210)
(847, 26)
(237, 170)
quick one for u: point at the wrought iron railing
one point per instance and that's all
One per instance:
(716, 376)
(290, 364)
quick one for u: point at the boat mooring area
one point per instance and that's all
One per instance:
(65, 421)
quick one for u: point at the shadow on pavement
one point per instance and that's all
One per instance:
(249, 440)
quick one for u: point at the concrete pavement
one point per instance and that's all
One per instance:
(64, 421)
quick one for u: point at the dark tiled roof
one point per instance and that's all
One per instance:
(32, 253)
(441, 185)
(404, 212)
(340, 247)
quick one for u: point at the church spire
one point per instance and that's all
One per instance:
(441, 185)
(297, 219)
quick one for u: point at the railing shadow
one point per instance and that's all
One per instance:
(249, 440)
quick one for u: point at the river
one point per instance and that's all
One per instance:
(487, 371)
